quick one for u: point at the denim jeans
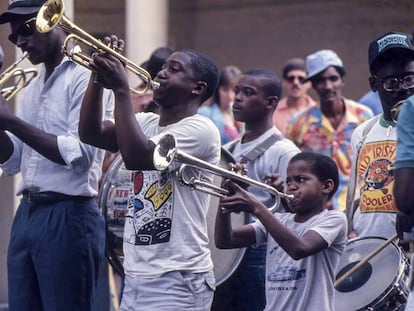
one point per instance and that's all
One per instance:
(54, 255)
(245, 289)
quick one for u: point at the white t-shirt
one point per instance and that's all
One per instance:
(166, 226)
(304, 284)
(376, 213)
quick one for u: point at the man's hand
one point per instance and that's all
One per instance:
(405, 228)
(5, 113)
(109, 70)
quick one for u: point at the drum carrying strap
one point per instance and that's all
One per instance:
(350, 196)
(258, 150)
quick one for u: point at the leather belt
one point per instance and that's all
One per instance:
(51, 197)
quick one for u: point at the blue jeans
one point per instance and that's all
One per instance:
(245, 289)
(54, 255)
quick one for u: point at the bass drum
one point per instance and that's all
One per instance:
(117, 187)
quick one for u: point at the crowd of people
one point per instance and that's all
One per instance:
(340, 171)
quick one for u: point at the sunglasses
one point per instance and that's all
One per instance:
(392, 84)
(291, 79)
(25, 30)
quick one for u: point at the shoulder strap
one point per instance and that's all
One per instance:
(350, 196)
(262, 147)
(231, 145)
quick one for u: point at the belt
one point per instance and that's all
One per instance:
(51, 197)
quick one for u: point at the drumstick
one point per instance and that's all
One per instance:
(365, 260)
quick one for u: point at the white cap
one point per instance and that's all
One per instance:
(319, 61)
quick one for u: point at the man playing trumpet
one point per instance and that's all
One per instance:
(58, 235)
(167, 262)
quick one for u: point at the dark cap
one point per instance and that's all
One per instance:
(20, 7)
(391, 40)
(156, 60)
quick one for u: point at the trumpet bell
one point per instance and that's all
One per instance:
(49, 15)
(166, 152)
(21, 78)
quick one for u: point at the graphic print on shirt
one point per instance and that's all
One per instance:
(284, 277)
(376, 177)
(150, 210)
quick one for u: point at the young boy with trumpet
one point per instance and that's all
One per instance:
(263, 149)
(303, 247)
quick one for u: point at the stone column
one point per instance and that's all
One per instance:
(146, 29)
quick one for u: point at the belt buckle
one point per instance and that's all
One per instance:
(30, 191)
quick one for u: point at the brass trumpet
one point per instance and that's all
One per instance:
(395, 110)
(51, 14)
(166, 152)
(22, 76)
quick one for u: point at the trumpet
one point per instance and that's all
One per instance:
(165, 153)
(51, 14)
(395, 110)
(22, 76)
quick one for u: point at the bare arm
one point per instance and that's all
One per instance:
(135, 147)
(295, 246)
(91, 128)
(227, 237)
(6, 149)
(403, 190)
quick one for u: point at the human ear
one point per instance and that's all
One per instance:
(199, 88)
(272, 101)
(372, 83)
(328, 186)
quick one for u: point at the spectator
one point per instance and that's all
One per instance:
(327, 127)
(296, 98)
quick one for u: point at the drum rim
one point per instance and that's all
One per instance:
(396, 281)
(115, 259)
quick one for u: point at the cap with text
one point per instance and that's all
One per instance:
(391, 40)
(20, 7)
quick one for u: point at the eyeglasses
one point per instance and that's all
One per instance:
(392, 84)
(25, 30)
(291, 79)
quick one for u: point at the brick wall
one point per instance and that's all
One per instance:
(265, 33)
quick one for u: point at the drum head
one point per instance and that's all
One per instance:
(368, 283)
(117, 186)
(225, 261)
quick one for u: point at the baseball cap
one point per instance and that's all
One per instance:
(20, 7)
(319, 61)
(391, 40)
(154, 64)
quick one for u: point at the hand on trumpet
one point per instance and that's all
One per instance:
(239, 168)
(5, 113)
(241, 199)
(109, 71)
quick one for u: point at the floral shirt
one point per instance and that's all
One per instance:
(311, 131)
